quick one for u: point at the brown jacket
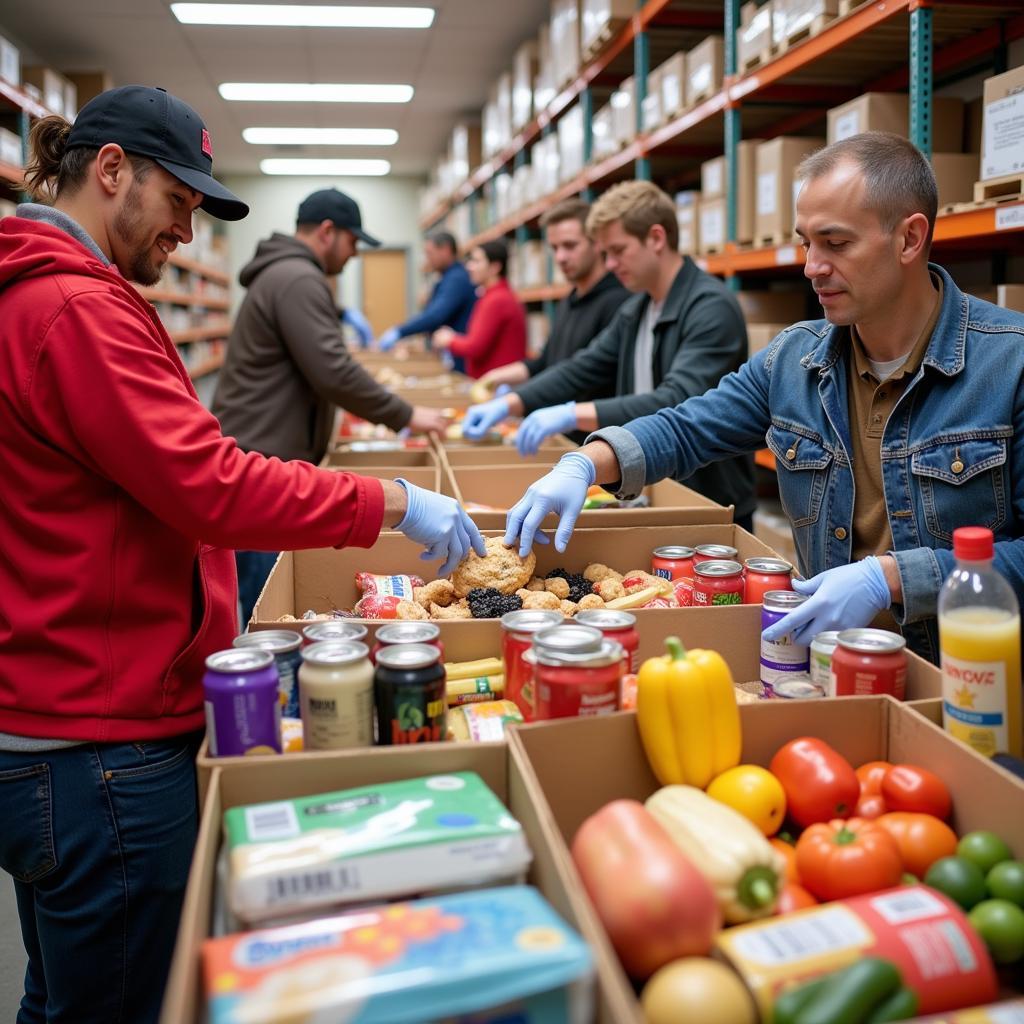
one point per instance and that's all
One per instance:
(287, 366)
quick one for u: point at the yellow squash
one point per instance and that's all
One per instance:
(687, 714)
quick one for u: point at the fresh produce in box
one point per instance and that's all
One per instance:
(755, 793)
(654, 903)
(922, 839)
(847, 858)
(986, 849)
(820, 784)
(1001, 924)
(728, 850)
(959, 879)
(1006, 881)
(905, 787)
(870, 804)
(687, 715)
(697, 990)
(788, 852)
(794, 897)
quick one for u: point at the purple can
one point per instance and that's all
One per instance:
(286, 647)
(243, 706)
(783, 658)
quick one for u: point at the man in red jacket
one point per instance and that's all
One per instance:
(122, 501)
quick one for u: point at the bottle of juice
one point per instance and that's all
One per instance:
(979, 639)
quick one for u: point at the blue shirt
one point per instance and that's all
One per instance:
(450, 304)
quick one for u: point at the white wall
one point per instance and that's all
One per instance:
(389, 207)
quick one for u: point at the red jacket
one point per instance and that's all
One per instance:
(496, 333)
(120, 499)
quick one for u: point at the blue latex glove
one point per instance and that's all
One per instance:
(360, 325)
(563, 491)
(441, 525)
(556, 419)
(841, 598)
(502, 389)
(387, 340)
(480, 418)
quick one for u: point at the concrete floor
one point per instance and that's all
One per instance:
(12, 956)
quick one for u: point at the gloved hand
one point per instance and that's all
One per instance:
(480, 418)
(355, 319)
(840, 598)
(387, 340)
(441, 525)
(556, 419)
(502, 389)
(563, 491)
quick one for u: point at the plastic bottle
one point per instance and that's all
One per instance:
(979, 639)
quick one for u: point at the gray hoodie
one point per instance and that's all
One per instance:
(287, 366)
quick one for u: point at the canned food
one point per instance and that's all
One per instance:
(763, 574)
(714, 552)
(286, 648)
(798, 687)
(822, 647)
(407, 633)
(672, 562)
(336, 629)
(615, 625)
(717, 582)
(337, 695)
(577, 672)
(242, 701)
(409, 695)
(869, 661)
(781, 659)
(517, 632)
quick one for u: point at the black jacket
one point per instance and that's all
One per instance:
(698, 339)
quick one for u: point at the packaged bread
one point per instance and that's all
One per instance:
(484, 722)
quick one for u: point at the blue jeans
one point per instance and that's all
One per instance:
(99, 840)
(253, 569)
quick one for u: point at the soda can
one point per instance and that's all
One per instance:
(242, 701)
(286, 647)
(409, 695)
(780, 659)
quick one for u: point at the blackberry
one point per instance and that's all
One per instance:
(579, 586)
(488, 603)
(557, 572)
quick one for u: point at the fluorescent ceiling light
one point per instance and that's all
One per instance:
(314, 92)
(303, 15)
(326, 168)
(320, 136)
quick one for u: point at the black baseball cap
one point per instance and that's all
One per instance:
(153, 123)
(342, 210)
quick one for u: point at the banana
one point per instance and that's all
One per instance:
(635, 600)
(473, 669)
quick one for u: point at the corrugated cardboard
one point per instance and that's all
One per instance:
(51, 85)
(776, 163)
(344, 457)
(623, 104)
(955, 176)
(524, 70)
(760, 336)
(564, 766)
(10, 62)
(754, 37)
(428, 477)
(890, 112)
(466, 153)
(763, 306)
(713, 185)
(565, 40)
(673, 85)
(671, 504)
(498, 455)
(650, 109)
(1003, 125)
(688, 221)
(598, 18)
(1010, 296)
(705, 64)
(712, 220)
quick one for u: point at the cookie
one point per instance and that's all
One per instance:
(502, 569)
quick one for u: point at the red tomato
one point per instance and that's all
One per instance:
(922, 839)
(847, 858)
(794, 897)
(655, 905)
(870, 806)
(820, 784)
(871, 775)
(906, 787)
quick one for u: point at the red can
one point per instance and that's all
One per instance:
(673, 562)
(577, 672)
(407, 633)
(869, 661)
(763, 574)
(717, 581)
(619, 626)
(518, 630)
(714, 552)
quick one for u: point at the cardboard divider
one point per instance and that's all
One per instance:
(564, 767)
(491, 455)
(671, 504)
(428, 477)
(254, 782)
(346, 458)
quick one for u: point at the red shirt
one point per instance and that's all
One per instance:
(496, 333)
(121, 502)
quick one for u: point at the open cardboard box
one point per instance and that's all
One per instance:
(497, 455)
(428, 477)
(353, 457)
(564, 769)
(292, 777)
(671, 504)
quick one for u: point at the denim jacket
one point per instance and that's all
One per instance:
(952, 449)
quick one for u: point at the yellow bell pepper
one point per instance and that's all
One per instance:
(687, 715)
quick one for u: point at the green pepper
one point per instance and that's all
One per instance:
(847, 996)
(901, 1005)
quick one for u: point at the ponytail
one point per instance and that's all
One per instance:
(52, 167)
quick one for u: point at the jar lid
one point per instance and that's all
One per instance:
(238, 661)
(408, 656)
(572, 638)
(827, 639)
(718, 567)
(782, 600)
(278, 641)
(408, 633)
(531, 620)
(336, 652)
(773, 566)
(716, 550)
(338, 630)
(871, 641)
(608, 652)
(606, 618)
(672, 551)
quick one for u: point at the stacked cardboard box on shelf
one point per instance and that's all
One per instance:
(754, 38)
(650, 109)
(688, 219)
(544, 88)
(570, 143)
(776, 185)
(604, 141)
(705, 64)
(10, 62)
(599, 19)
(713, 187)
(1002, 130)
(58, 92)
(565, 41)
(623, 103)
(673, 86)
(524, 71)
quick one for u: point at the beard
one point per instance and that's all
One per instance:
(130, 229)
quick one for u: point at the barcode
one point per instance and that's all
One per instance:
(333, 881)
(782, 942)
(910, 904)
(271, 821)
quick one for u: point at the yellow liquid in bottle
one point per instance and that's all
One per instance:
(981, 685)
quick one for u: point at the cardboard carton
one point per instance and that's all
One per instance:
(1003, 125)
(498, 455)
(890, 112)
(604, 143)
(50, 84)
(623, 103)
(570, 143)
(754, 39)
(673, 85)
(10, 62)
(466, 154)
(713, 185)
(688, 220)
(565, 41)
(89, 84)
(800, 15)
(544, 83)
(1010, 296)
(705, 64)
(428, 477)
(10, 148)
(561, 765)
(774, 307)
(599, 19)
(345, 457)
(711, 235)
(955, 176)
(760, 336)
(776, 162)
(524, 70)
(650, 109)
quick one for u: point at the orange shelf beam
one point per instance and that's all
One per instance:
(544, 293)
(207, 333)
(14, 97)
(765, 458)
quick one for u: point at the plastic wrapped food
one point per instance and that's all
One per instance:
(483, 722)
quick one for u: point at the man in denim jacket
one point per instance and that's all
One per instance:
(893, 421)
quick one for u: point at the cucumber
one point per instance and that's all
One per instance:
(790, 1003)
(853, 993)
(901, 1005)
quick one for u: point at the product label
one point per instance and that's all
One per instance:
(828, 931)
(846, 125)
(712, 226)
(974, 703)
(766, 193)
(1003, 144)
(712, 178)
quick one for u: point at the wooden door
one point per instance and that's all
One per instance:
(385, 287)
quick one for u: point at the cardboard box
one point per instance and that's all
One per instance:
(428, 477)
(237, 785)
(604, 141)
(10, 148)
(760, 336)
(570, 143)
(800, 15)
(565, 41)
(705, 66)
(714, 184)
(599, 19)
(1003, 125)
(771, 307)
(498, 455)
(347, 457)
(673, 85)
(50, 84)
(561, 765)
(466, 153)
(712, 178)
(623, 103)
(10, 62)
(773, 528)
(671, 504)
(754, 38)
(890, 112)
(688, 220)
(524, 71)
(1010, 296)
(711, 235)
(544, 84)
(89, 84)
(776, 162)
(955, 176)
(650, 110)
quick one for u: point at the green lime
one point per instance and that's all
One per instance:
(986, 849)
(961, 880)
(1001, 924)
(1006, 881)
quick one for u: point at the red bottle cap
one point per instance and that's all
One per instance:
(973, 544)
